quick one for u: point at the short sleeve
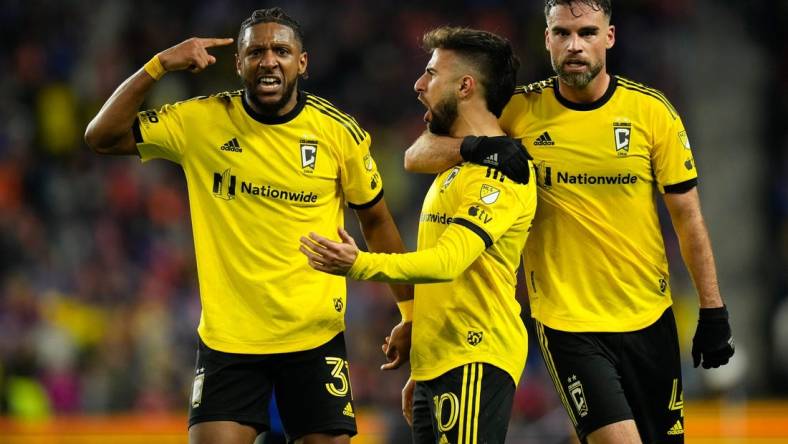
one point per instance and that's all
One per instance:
(361, 181)
(490, 203)
(671, 154)
(159, 134)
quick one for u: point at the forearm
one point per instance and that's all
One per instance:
(110, 131)
(454, 252)
(695, 247)
(381, 235)
(432, 154)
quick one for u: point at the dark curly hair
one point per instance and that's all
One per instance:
(272, 15)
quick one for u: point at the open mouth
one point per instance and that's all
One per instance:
(268, 82)
(575, 64)
(427, 113)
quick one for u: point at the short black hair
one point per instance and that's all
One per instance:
(597, 5)
(489, 53)
(272, 15)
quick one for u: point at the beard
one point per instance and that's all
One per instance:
(577, 79)
(268, 108)
(444, 113)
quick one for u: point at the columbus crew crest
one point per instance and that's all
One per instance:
(308, 155)
(622, 133)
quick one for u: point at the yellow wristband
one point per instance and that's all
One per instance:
(155, 68)
(406, 310)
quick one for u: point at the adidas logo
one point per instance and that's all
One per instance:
(232, 145)
(348, 411)
(544, 139)
(491, 160)
(677, 429)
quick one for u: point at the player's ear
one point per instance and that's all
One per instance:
(547, 39)
(238, 65)
(302, 63)
(466, 87)
(611, 36)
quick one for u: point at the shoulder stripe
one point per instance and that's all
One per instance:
(476, 229)
(333, 115)
(329, 106)
(358, 134)
(347, 116)
(634, 86)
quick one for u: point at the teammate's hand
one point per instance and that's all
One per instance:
(407, 401)
(191, 54)
(397, 346)
(328, 256)
(503, 153)
(713, 343)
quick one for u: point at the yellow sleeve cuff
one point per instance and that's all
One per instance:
(406, 310)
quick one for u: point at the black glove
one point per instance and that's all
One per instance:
(713, 340)
(503, 153)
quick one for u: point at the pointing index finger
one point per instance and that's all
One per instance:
(211, 42)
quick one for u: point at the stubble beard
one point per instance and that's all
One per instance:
(443, 116)
(269, 109)
(578, 80)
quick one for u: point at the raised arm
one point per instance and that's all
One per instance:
(712, 342)
(110, 131)
(432, 154)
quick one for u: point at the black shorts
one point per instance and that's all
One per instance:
(603, 378)
(466, 405)
(312, 389)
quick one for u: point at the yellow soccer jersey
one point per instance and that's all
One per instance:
(596, 259)
(256, 184)
(473, 226)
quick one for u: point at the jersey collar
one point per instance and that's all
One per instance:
(611, 88)
(274, 120)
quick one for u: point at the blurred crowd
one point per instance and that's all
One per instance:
(98, 296)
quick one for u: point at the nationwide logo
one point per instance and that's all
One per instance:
(225, 187)
(622, 133)
(440, 218)
(232, 145)
(308, 155)
(544, 139)
(591, 179)
(677, 429)
(544, 175)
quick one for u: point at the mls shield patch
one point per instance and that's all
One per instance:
(489, 194)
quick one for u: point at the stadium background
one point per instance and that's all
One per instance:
(98, 297)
